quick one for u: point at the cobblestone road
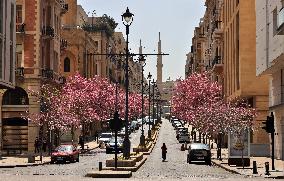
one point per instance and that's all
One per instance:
(175, 168)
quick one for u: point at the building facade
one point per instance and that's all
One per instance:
(7, 43)
(224, 46)
(38, 27)
(269, 61)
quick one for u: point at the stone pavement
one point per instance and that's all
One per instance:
(277, 173)
(22, 160)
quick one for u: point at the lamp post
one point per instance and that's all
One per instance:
(142, 64)
(149, 108)
(153, 110)
(127, 19)
(158, 106)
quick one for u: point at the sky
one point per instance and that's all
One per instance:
(175, 19)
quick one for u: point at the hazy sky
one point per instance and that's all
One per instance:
(175, 19)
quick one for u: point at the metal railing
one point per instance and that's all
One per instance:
(20, 71)
(48, 31)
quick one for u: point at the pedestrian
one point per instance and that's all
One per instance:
(36, 145)
(44, 144)
(81, 141)
(164, 152)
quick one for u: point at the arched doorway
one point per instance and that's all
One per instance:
(14, 128)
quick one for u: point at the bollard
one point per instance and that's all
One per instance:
(100, 166)
(182, 147)
(254, 168)
(266, 168)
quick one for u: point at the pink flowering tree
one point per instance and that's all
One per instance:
(198, 101)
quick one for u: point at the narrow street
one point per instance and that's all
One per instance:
(154, 169)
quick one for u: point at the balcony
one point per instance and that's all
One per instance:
(280, 28)
(47, 73)
(48, 31)
(64, 6)
(20, 28)
(63, 44)
(217, 30)
(217, 65)
(19, 72)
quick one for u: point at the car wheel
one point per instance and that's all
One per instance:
(72, 159)
(52, 161)
(188, 159)
(208, 162)
(77, 160)
(107, 151)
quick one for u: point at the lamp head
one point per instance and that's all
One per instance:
(127, 17)
(149, 76)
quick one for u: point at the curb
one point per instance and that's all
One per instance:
(109, 174)
(225, 168)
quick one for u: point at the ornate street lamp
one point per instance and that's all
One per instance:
(127, 19)
(142, 64)
(149, 110)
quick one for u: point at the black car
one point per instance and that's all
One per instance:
(199, 152)
(110, 147)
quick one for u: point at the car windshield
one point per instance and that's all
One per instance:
(199, 146)
(106, 135)
(64, 148)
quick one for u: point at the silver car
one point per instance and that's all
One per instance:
(199, 152)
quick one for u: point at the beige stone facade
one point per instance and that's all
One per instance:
(269, 61)
(224, 45)
(38, 27)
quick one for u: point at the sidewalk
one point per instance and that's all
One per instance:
(277, 173)
(22, 160)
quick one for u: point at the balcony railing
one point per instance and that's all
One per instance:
(47, 73)
(280, 28)
(20, 27)
(63, 44)
(48, 31)
(216, 60)
(64, 6)
(20, 72)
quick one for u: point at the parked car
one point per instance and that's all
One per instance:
(181, 129)
(199, 152)
(65, 153)
(104, 138)
(183, 137)
(110, 147)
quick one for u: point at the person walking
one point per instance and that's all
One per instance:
(164, 152)
(36, 145)
(81, 141)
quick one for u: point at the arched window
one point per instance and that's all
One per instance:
(17, 96)
(66, 64)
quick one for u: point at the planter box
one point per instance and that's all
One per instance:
(140, 149)
(121, 163)
(137, 157)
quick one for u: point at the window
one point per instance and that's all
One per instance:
(66, 64)
(19, 14)
(17, 96)
(1, 18)
(275, 19)
(19, 49)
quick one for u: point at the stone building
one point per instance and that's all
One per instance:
(224, 45)
(269, 61)
(7, 43)
(7, 57)
(38, 25)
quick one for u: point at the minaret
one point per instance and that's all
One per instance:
(159, 62)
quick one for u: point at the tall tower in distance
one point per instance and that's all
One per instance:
(159, 62)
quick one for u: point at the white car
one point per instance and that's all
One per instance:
(184, 138)
(104, 138)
